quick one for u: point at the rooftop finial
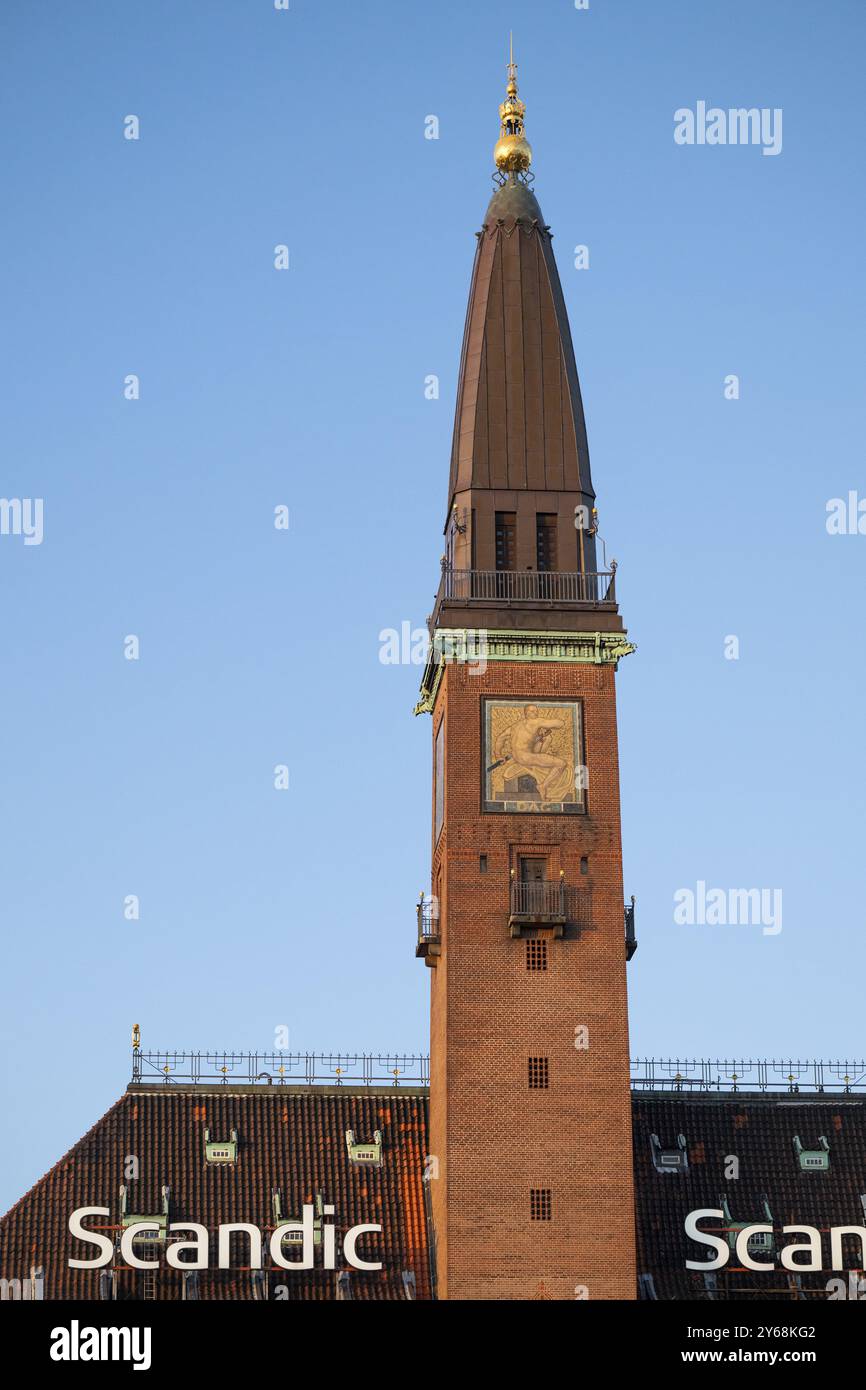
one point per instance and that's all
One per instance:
(513, 153)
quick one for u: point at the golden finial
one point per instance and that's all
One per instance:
(136, 1037)
(513, 152)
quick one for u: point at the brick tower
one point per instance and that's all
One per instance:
(525, 927)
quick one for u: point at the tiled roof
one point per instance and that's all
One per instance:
(291, 1140)
(757, 1130)
(294, 1140)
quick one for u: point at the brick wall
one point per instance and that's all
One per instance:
(493, 1137)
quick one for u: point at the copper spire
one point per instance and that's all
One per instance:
(513, 152)
(519, 425)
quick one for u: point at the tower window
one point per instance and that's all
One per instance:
(482, 863)
(539, 1073)
(506, 540)
(584, 864)
(545, 542)
(536, 954)
(540, 1204)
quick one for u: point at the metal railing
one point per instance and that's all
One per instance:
(394, 1069)
(536, 586)
(538, 899)
(428, 920)
(551, 899)
(630, 938)
(700, 1075)
(280, 1068)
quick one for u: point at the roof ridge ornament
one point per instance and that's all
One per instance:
(512, 153)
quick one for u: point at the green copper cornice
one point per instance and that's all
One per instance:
(476, 648)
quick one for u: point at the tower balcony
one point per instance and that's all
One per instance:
(529, 586)
(547, 904)
(492, 594)
(630, 938)
(429, 942)
(532, 904)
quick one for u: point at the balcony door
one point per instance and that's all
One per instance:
(533, 883)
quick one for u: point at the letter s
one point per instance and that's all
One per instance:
(704, 1238)
(90, 1237)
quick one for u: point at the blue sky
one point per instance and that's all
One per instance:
(154, 777)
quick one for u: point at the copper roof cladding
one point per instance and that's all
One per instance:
(287, 1139)
(519, 421)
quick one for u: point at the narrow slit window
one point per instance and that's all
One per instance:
(506, 540)
(545, 542)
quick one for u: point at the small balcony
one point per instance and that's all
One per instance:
(532, 904)
(630, 938)
(429, 943)
(547, 904)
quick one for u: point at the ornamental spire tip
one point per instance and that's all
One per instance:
(513, 152)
